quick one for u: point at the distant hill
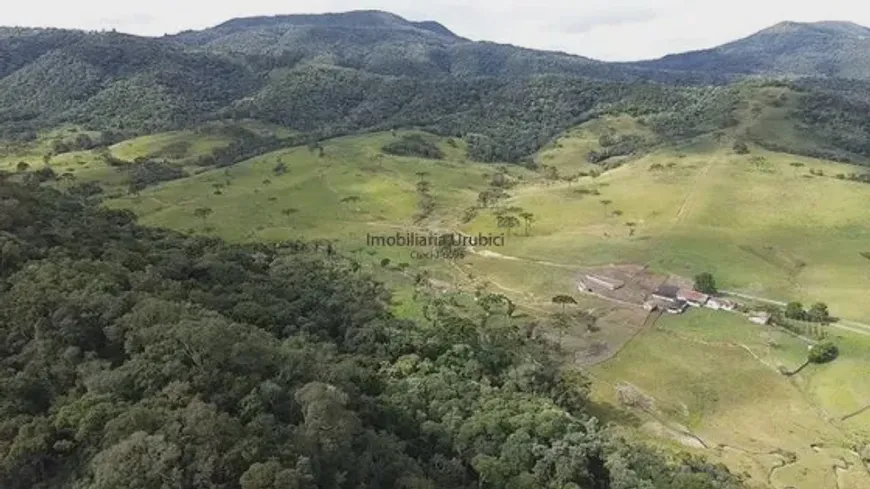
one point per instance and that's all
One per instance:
(327, 75)
(818, 49)
(378, 42)
(386, 44)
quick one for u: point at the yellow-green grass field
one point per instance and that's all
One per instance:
(154, 144)
(89, 166)
(713, 374)
(352, 190)
(761, 226)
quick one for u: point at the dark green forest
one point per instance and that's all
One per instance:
(326, 76)
(137, 357)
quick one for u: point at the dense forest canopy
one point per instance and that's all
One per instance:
(135, 357)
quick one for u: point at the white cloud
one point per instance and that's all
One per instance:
(612, 30)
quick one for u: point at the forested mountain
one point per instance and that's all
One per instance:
(326, 75)
(135, 357)
(830, 49)
(130, 85)
(384, 43)
(378, 42)
(110, 80)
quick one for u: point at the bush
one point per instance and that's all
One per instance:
(823, 352)
(414, 145)
(45, 174)
(151, 173)
(819, 313)
(795, 310)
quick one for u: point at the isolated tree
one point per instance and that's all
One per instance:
(795, 310)
(819, 313)
(630, 225)
(617, 213)
(551, 172)
(606, 203)
(507, 222)
(562, 323)
(796, 165)
(704, 282)
(202, 213)
(528, 218)
(22, 166)
(563, 300)
(499, 179)
(740, 148)
(422, 175)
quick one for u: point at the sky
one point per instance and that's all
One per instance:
(612, 30)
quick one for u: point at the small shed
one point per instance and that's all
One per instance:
(666, 293)
(759, 317)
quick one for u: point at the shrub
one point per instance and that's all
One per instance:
(823, 352)
(740, 148)
(414, 145)
(795, 310)
(151, 173)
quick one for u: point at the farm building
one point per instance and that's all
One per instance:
(606, 282)
(667, 293)
(693, 297)
(717, 303)
(759, 317)
(678, 306)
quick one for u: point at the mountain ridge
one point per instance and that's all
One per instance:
(798, 49)
(367, 70)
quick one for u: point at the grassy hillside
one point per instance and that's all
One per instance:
(353, 188)
(712, 379)
(761, 222)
